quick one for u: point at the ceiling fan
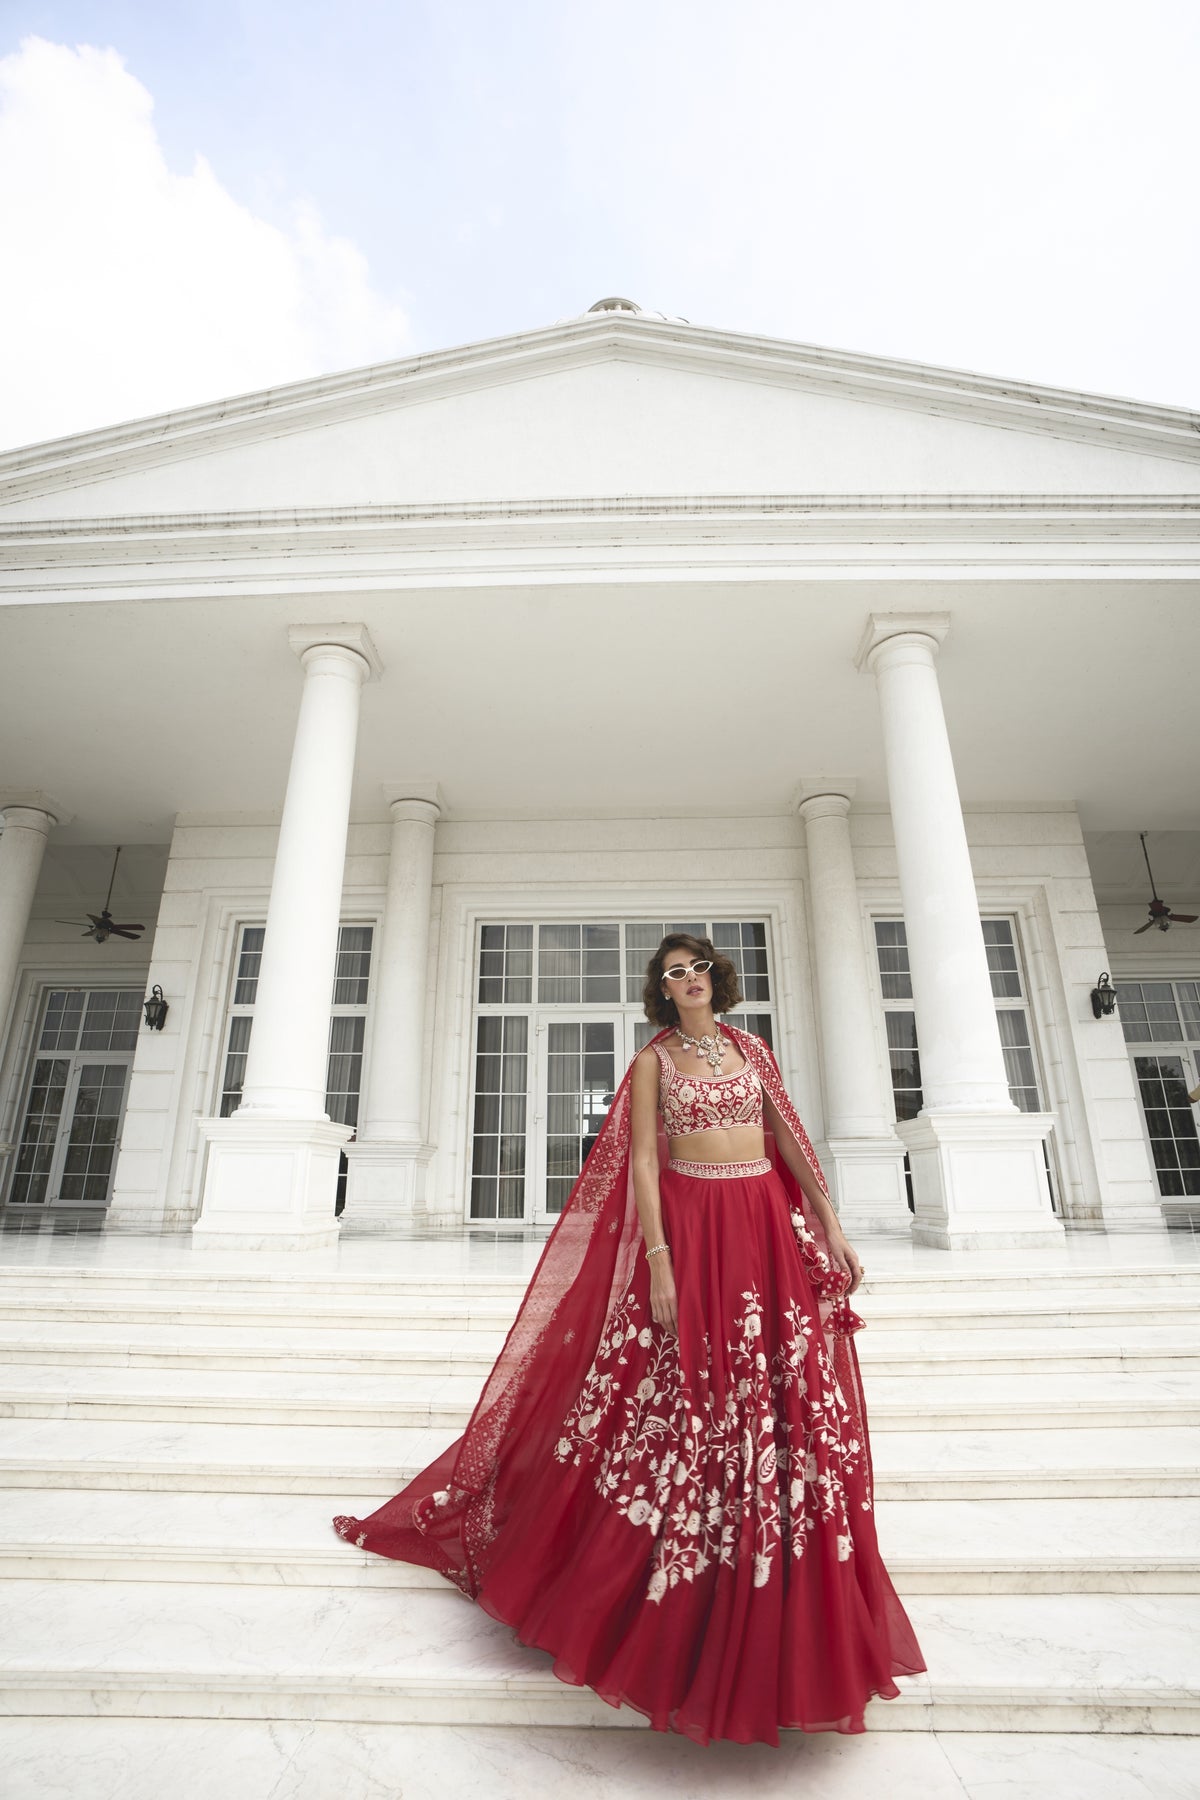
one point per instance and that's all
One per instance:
(1160, 913)
(103, 925)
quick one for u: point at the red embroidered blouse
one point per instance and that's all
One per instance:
(692, 1103)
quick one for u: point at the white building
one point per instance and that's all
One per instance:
(420, 699)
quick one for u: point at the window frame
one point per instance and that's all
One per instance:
(539, 1014)
(236, 1009)
(75, 1058)
(882, 913)
(1185, 1046)
(1022, 1002)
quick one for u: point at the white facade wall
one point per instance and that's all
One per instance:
(1028, 863)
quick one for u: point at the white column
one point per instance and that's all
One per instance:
(22, 846)
(977, 1161)
(388, 1159)
(271, 1176)
(866, 1156)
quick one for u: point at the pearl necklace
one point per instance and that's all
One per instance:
(710, 1048)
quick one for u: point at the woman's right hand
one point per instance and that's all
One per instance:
(663, 1308)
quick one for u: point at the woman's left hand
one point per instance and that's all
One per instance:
(843, 1256)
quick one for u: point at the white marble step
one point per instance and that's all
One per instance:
(191, 1759)
(1147, 1348)
(199, 1396)
(392, 1352)
(1056, 1546)
(336, 1461)
(944, 1402)
(428, 1312)
(475, 1311)
(1003, 1539)
(472, 1267)
(393, 1264)
(950, 1546)
(1088, 1662)
(286, 1284)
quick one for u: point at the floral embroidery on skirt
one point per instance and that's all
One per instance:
(705, 1466)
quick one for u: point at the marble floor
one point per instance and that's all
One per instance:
(176, 1614)
(79, 1240)
(68, 1759)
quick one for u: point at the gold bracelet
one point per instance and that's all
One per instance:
(658, 1249)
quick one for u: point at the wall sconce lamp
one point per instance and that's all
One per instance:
(1104, 997)
(156, 1009)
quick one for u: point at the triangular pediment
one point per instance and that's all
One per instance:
(610, 405)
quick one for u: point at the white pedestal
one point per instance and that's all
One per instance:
(868, 1181)
(385, 1186)
(271, 1183)
(979, 1180)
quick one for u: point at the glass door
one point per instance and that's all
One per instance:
(580, 1062)
(68, 1149)
(75, 1101)
(1164, 1082)
(88, 1144)
(558, 1015)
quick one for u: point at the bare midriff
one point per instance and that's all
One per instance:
(741, 1143)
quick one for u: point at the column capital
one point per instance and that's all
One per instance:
(28, 818)
(351, 638)
(823, 796)
(399, 790)
(923, 632)
(414, 811)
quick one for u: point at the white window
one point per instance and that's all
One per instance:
(1161, 1022)
(1012, 1016)
(558, 1018)
(891, 950)
(347, 1023)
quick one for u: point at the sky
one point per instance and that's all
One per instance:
(197, 202)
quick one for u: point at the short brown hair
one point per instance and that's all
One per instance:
(660, 1008)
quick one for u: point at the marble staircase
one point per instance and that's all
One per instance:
(177, 1434)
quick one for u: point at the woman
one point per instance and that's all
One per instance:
(667, 1480)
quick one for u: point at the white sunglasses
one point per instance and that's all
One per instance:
(677, 972)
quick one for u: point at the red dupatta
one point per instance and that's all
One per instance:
(448, 1516)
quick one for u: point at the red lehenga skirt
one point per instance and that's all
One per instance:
(696, 1536)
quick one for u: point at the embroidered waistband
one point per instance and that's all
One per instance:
(714, 1171)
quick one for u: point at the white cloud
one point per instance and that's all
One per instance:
(128, 289)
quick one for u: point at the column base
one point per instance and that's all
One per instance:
(140, 1221)
(269, 1183)
(868, 1181)
(385, 1186)
(979, 1180)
